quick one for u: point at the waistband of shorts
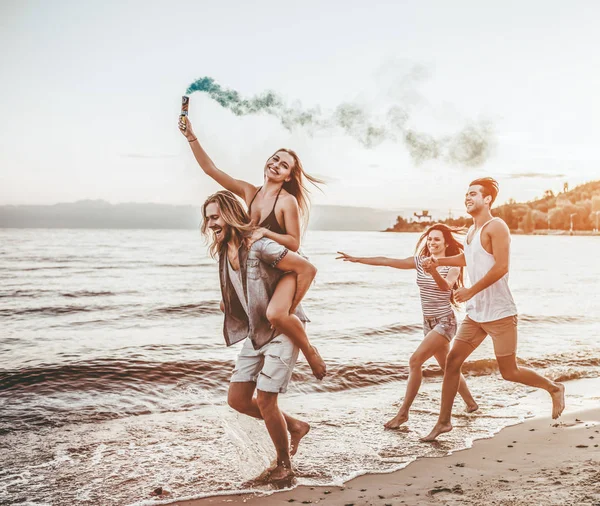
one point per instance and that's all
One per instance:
(438, 318)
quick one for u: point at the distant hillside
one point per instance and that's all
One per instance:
(99, 214)
(555, 212)
(102, 214)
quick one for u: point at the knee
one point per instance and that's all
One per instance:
(275, 315)
(240, 405)
(266, 402)
(509, 373)
(416, 361)
(453, 363)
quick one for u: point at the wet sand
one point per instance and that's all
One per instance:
(541, 461)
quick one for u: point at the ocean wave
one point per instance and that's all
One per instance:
(113, 374)
(51, 310)
(87, 392)
(207, 307)
(185, 266)
(555, 318)
(354, 284)
(395, 328)
(45, 268)
(88, 293)
(182, 310)
(30, 294)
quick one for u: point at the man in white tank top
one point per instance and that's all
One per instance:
(491, 309)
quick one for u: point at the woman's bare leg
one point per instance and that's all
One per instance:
(278, 313)
(430, 345)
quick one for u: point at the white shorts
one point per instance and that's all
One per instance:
(270, 367)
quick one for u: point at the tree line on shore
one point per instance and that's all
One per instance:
(577, 209)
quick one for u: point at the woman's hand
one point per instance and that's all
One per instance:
(346, 258)
(258, 234)
(430, 269)
(185, 127)
(429, 262)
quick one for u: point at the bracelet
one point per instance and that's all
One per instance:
(194, 139)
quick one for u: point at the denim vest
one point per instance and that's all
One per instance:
(259, 279)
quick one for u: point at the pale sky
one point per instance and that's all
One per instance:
(90, 94)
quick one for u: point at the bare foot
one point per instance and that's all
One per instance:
(261, 479)
(472, 406)
(280, 473)
(395, 422)
(316, 363)
(558, 401)
(440, 428)
(297, 432)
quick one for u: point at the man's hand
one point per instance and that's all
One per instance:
(462, 294)
(429, 270)
(429, 263)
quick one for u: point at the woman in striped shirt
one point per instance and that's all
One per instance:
(439, 322)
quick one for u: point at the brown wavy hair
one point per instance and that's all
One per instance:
(233, 214)
(489, 187)
(453, 247)
(297, 185)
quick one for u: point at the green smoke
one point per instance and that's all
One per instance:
(230, 99)
(470, 147)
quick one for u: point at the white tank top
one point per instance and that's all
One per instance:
(495, 301)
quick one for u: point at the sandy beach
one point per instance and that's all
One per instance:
(540, 461)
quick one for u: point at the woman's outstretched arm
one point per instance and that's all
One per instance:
(241, 188)
(396, 263)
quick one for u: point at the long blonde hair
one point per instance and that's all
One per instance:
(297, 187)
(233, 214)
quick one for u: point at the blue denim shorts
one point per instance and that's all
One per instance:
(444, 325)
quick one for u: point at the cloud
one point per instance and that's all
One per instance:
(535, 175)
(143, 155)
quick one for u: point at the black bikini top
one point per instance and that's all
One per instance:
(270, 221)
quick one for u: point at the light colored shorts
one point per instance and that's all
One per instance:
(444, 325)
(270, 367)
(503, 332)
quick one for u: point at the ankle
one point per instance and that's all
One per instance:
(284, 462)
(554, 387)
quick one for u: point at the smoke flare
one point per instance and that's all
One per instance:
(469, 147)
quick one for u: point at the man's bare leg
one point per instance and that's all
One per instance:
(430, 345)
(463, 389)
(458, 354)
(277, 428)
(511, 371)
(240, 398)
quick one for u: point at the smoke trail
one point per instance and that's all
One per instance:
(469, 147)
(472, 145)
(231, 99)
